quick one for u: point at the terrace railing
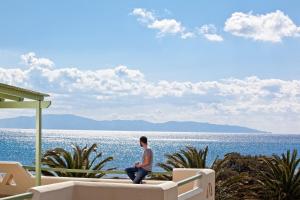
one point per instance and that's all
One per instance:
(64, 170)
(190, 194)
(27, 195)
(194, 192)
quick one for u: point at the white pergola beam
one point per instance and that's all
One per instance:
(24, 104)
(16, 97)
(10, 97)
(22, 93)
(38, 143)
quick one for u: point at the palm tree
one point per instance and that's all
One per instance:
(232, 184)
(282, 179)
(189, 157)
(80, 158)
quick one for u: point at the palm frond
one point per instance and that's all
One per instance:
(79, 158)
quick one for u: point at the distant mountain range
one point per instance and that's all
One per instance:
(73, 122)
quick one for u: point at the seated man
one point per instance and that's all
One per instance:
(140, 170)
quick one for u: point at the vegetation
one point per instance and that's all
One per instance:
(81, 158)
(185, 158)
(281, 179)
(238, 177)
(244, 177)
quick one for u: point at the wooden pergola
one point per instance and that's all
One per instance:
(20, 98)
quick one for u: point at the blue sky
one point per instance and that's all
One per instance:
(234, 44)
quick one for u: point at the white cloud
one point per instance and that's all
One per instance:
(173, 27)
(143, 15)
(164, 26)
(209, 31)
(124, 92)
(272, 27)
(167, 26)
(31, 60)
(213, 37)
(187, 35)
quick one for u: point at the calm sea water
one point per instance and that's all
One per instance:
(19, 145)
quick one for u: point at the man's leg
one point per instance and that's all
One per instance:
(140, 175)
(131, 172)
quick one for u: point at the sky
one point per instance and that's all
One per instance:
(225, 62)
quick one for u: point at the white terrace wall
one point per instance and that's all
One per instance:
(15, 180)
(73, 190)
(206, 182)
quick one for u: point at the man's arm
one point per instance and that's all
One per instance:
(146, 161)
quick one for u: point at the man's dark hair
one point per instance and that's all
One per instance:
(144, 139)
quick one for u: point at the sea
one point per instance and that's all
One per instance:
(19, 144)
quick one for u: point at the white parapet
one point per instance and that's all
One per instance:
(77, 190)
(205, 185)
(15, 180)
